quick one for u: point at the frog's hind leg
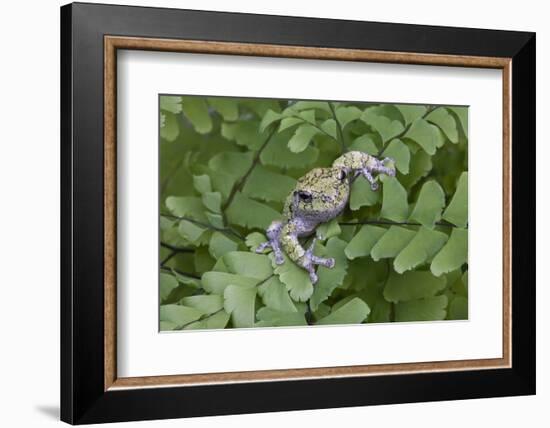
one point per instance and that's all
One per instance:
(365, 172)
(303, 258)
(310, 260)
(273, 233)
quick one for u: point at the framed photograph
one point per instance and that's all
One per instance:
(265, 213)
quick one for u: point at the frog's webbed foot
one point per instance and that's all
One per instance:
(309, 260)
(365, 172)
(273, 234)
(380, 167)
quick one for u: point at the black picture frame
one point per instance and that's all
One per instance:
(83, 396)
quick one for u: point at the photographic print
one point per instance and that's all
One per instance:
(280, 212)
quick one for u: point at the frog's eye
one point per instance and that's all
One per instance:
(343, 174)
(305, 196)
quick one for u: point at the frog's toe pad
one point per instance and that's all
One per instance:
(260, 248)
(329, 262)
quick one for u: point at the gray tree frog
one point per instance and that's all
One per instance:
(319, 196)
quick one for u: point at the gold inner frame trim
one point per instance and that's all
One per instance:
(113, 43)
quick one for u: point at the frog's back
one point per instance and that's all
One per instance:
(354, 160)
(326, 190)
(305, 183)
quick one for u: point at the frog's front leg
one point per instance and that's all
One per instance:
(381, 167)
(273, 233)
(303, 258)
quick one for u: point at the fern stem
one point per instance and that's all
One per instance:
(315, 126)
(177, 249)
(168, 258)
(338, 127)
(391, 315)
(174, 251)
(393, 223)
(309, 313)
(226, 230)
(240, 183)
(189, 275)
(402, 133)
(171, 175)
(202, 318)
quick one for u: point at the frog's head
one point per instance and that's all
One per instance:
(321, 192)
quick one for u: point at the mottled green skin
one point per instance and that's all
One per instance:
(354, 161)
(329, 189)
(319, 196)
